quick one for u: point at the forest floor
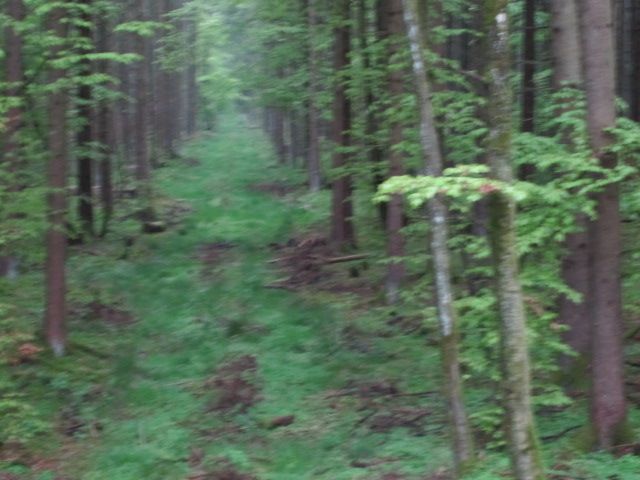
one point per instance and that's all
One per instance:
(236, 345)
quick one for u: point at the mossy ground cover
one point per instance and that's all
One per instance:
(213, 374)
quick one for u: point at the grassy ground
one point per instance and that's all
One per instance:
(162, 409)
(219, 376)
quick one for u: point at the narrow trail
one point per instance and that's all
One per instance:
(221, 378)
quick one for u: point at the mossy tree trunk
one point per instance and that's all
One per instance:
(463, 450)
(520, 429)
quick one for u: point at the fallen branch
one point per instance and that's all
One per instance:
(279, 286)
(348, 258)
(556, 436)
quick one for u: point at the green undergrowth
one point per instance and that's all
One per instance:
(145, 395)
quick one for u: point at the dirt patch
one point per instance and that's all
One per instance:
(276, 188)
(307, 261)
(235, 386)
(174, 212)
(211, 255)
(223, 474)
(412, 418)
(109, 314)
(9, 476)
(386, 407)
(223, 470)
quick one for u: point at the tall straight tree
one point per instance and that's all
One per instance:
(85, 133)
(463, 451)
(106, 128)
(521, 432)
(529, 67)
(56, 241)
(342, 229)
(14, 77)
(608, 403)
(567, 72)
(142, 118)
(394, 29)
(313, 115)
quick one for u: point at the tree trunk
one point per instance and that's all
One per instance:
(608, 404)
(313, 154)
(342, 230)
(192, 76)
(521, 435)
(567, 72)
(395, 209)
(142, 118)
(438, 216)
(11, 145)
(106, 130)
(635, 53)
(56, 241)
(529, 67)
(84, 136)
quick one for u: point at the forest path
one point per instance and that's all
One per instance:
(221, 375)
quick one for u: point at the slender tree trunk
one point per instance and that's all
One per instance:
(567, 72)
(106, 130)
(142, 118)
(56, 241)
(635, 79)
(529, 68)
(14, 68)
(395, 209)
(342, 230)
(438, 216)
(608, 404)
(84, 136)
(313, 154)
(14, 78)
(374, 109)
(192, 75)
(279, 140)
(521, 432)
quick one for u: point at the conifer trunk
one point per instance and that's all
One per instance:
(14, 77)
(56, 239)
(313, 122)
(395, 209)
(342, 230)
(142, 118)
(608, 403)
(85, 134)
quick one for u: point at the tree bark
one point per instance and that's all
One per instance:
(567, 72)
(14, 78)
(438, 216)
(142, 118)
(106, 130)
(313, 154)
(529, 67)
(521, 435)
(342, 229)
(56, 241)
(85, 134)
(608, 403)
(395, 209)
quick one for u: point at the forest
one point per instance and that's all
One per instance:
(320, 239)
